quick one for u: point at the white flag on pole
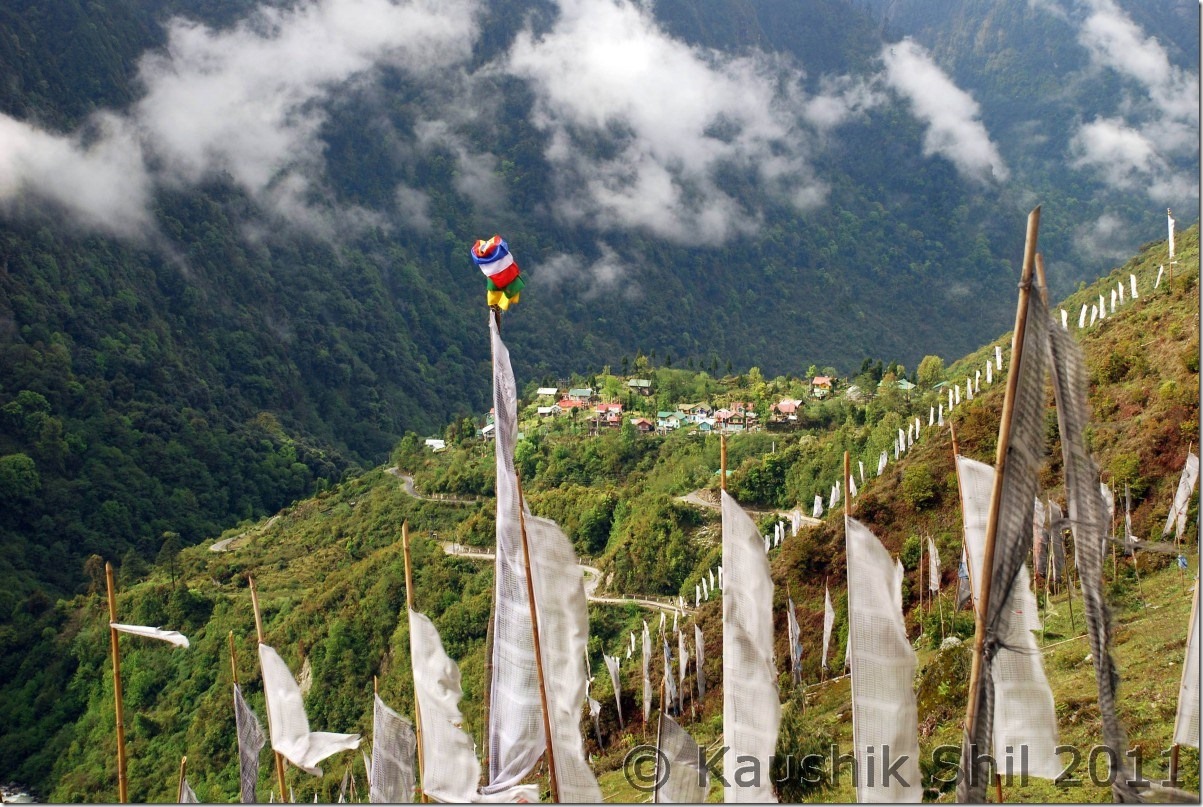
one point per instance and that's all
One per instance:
(1132, 282)
(451, 770)
(1186, 722)
(1024, 714)
(828, 622)
(751, 710)
(884, 713)
(933, 567)
(174, 637)
(1186, 486)
(287, 721)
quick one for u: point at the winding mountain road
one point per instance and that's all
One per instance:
(592, 580)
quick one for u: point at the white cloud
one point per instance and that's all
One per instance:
(1160, 121)
(840, 99)
(96, 177)
(640, 123)
(244, 104)
(954, 130)
(607, 274)
(1106, 238)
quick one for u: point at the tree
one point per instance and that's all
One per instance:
(169, 553)
(930, 372)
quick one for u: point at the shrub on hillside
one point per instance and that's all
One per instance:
(918, 485)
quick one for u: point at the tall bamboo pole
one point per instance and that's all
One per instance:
(534, 621)
(259, 636)
(1000, 468)
(118, 702)
(409, 603)
(722, 461)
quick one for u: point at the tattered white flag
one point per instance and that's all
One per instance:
(1186, 486)
(1186, 722)
(451, 770)
(828, 623)
(174, 637)
(751, 710)
(287, 721)
(884, 712)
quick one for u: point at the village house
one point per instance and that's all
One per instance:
(640, 385)
(642, 425)
(821, 386)
(582, 394)
(785, 410)
(609, 413)
(544, 392)
(668, 421)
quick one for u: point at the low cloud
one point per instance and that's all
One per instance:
(243, 104)
(1106, 238)
(1159, 120)
(608, 274)
(641, 124)
(96, 177)
(954, 129)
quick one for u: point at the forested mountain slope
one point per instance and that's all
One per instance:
(233, 234)
(329, 568)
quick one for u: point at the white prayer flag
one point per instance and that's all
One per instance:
(1186, 722)
(1170, 224)
(1094, 313)
(682, 667)
(860, 465)
(1160, 271)
(187, 795)
(828, 622)
(1024, 714)
(451, 770)
(1113, 301)
(989, 372)
(250, 743)
(751, 710)
(1082, 317)
(998, 357)
(697, 595)
(287, 721)
(931, 417)
(817, 512)
(852, 486)
(1102, 308)
(515, 732)
(1120, 288)
(174, 637)
(699, 651)
(616, 681)
(1064, 324)
(881, 463)
(884, 713)
(712, 578)
(794, 639)
(682, 781)
(1132, 281)
(933, 567)
(720, 578)
(647, 679)
(1186, 486)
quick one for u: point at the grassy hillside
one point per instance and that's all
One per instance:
(330, 573)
